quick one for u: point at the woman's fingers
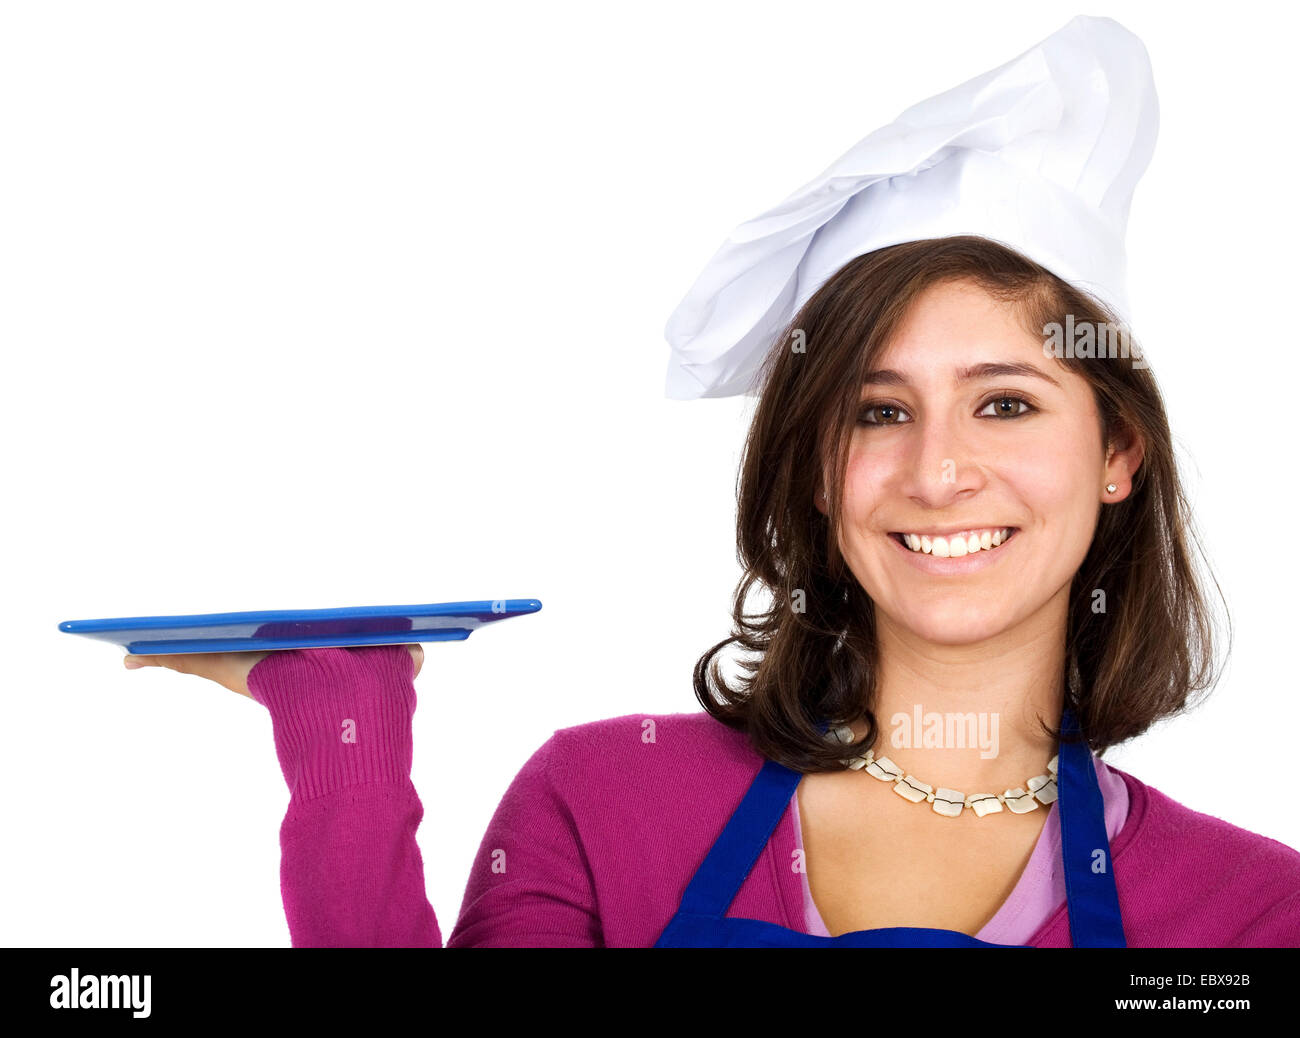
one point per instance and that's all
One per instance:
(228, 669)
(181, 662)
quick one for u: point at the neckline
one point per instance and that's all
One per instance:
(1134, 814)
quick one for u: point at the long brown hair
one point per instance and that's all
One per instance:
(1126, 668)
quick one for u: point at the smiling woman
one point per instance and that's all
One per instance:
(1004, 535)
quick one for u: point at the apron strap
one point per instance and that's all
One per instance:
(720, 875)
(1093, 901)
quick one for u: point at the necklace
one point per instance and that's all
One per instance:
(949, 802)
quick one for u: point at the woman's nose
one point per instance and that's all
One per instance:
(941, 465)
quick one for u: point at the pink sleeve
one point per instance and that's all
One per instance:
(351, 874)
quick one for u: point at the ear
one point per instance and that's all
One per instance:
(819, 501)
(1123, 458)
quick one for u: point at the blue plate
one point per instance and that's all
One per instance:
(300, 628)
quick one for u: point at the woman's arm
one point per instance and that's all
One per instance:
(351, 874)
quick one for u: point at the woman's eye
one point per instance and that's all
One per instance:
(1006, 407)
(881, 414)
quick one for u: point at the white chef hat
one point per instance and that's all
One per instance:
(1041, 154)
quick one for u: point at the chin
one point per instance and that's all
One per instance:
(952, 627)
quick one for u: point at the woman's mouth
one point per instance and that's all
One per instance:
(957, 543)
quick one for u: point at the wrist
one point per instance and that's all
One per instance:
(341, 716)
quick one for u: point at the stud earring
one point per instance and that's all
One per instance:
(1111, 488)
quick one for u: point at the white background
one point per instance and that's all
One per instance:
(326, 304)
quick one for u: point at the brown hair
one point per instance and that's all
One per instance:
(1126, 668)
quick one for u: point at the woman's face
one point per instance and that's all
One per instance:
(967, 430)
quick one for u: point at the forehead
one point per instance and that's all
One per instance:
(957, 323)
(954, 330)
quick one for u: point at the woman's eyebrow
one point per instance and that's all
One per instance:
(889, 377)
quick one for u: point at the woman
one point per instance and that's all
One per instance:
(948, 522)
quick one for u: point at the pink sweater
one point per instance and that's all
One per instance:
(598, 834)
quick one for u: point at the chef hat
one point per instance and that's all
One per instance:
(1041, 154)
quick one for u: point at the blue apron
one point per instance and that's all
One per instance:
(701, 920)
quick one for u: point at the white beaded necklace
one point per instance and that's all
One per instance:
(949, 802)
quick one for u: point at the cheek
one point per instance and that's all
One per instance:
(858, 502)
(1060, 487)
(863, 477)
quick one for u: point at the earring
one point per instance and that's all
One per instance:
(1111, 488)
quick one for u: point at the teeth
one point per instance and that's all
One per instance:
(958, 545)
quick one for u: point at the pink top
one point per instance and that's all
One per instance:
(1041, 887)
(598, 834)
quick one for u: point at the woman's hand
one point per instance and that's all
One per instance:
(228, 669)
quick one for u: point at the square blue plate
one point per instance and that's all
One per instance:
(300, 628)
